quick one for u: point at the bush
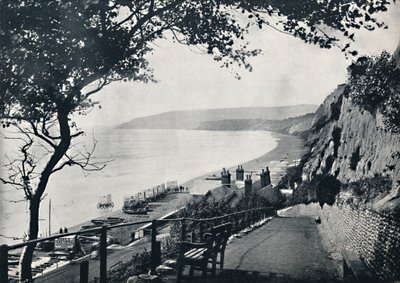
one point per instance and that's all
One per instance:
(354, 159)
(139, 264)
(374, 85)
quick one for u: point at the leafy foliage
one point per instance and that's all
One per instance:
(354, 159)
(370, 187)
(139, 264)
(56, 54)
(374, 84)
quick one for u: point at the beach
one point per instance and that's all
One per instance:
(288, 151)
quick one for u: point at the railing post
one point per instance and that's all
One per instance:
(183, 231)
(155, 248)
(84, 272)
(103, 254)
(237, 228)
(201, 231)
(4, 263)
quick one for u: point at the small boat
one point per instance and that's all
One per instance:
(97, 221)
(213, 177)
(135, 210)
(135, 205)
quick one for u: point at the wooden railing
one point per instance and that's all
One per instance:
(239, 219)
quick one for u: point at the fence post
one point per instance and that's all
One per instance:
(84, 272)
(183, 231)
(155, 248)
(237, 228)
(201, 231)
(103, 254)
(4, 263)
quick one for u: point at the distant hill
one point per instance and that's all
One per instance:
(192, 119)
(290, 126)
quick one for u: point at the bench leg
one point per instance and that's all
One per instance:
(214, 266)
(222, 256)
(179, 272)
(204, 270)
(191, 271)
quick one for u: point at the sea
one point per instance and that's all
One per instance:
(136, 160)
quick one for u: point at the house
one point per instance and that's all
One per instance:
(233, 190)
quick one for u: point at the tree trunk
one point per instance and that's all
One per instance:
(34, 202)
(27, 253)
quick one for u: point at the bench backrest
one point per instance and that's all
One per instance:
(220, 235)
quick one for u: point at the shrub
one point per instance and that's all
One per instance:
(355, 158)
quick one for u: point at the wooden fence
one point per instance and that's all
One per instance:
(191, 228)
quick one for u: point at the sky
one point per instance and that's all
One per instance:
(289, 72)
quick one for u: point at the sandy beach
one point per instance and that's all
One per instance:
(288, 152)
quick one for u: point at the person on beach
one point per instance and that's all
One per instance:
(65, 230)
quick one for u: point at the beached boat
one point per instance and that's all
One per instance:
(134, 205)
(213, 177)
(136, 210)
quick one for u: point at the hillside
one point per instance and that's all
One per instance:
(352, 145)
(288, 126)
(192, 119)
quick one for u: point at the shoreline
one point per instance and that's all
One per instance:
(289, 148)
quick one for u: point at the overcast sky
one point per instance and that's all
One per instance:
(288, 72)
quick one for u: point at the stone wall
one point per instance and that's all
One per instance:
(374, 236)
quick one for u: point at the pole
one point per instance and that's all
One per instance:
(49, 217)
(84, 272)
(201, 231)
(183, 232)
(154, 251)
(4, 263)
(103, 254)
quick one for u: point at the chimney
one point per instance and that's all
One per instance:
(240, 173)
(225, 177)
(262, 178)
(267, 177)
(248, 186)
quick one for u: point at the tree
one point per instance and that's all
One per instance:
(56, 54)
(374, 84)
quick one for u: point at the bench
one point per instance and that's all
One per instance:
(199, 255)
(354, 270)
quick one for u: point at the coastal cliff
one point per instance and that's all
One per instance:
(294, 125)
(220, 119)
(352, 145)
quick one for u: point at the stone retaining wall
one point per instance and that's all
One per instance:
(374, 236)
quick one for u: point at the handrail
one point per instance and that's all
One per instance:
(97, 229)
(102, 230)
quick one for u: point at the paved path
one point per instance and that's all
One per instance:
(287, 247)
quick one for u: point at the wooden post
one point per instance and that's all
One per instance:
(103, 254)
(201, 231)
(155, 248)
(236, 223)
(84, 272)
(183, 231)
(4, 263)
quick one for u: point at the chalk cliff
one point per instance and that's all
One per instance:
(352, 144)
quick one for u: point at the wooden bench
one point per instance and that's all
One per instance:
(198, 255)
(354, 270)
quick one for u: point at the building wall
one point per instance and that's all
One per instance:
(374, 236)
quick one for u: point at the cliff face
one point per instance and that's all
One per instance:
(352, 145)
(293, 125)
